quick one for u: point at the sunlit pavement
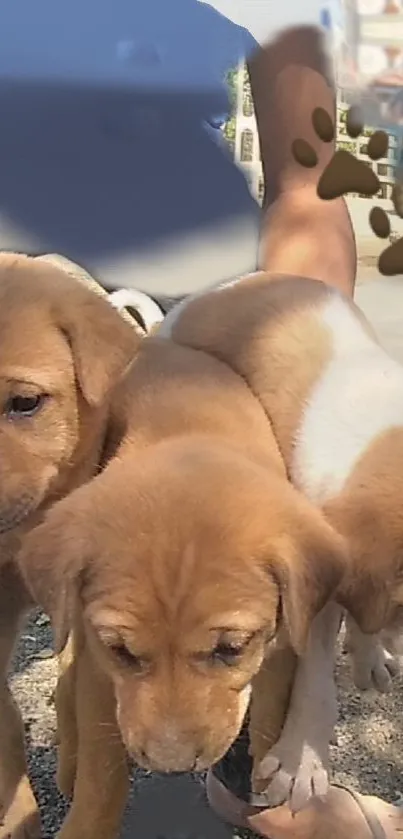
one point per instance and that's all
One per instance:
(381, 298)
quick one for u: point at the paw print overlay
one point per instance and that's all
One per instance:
(390, 262)
(344, 173)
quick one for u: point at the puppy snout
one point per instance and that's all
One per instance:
(21, 490)
(170, 750)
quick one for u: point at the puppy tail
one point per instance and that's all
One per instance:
(142, 307)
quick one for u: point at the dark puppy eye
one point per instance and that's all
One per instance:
(227, 653)
(20, 407)
(127, 658)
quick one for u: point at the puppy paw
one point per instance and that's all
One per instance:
(374, 667)
(293, 771)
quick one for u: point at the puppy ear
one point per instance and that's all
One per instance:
(368, 601)
(311, 560)
(50, 561)
(102, 342)
(367, 590)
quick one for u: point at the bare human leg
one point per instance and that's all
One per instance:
(301, 235)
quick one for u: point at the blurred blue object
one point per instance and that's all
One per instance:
(104, 156)
(218, 122)
(214, 128)
(326, 19)
(119, 45)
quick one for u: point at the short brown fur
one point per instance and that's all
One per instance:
(64, 345)
(265, 328)
(189, 544)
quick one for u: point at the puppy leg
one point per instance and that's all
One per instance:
(271, 691)
(102, 777)
(295, 769)
(392, 639)
(19, 814)
(67, 734)
(374, 661)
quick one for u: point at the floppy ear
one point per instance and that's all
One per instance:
(51, 560)
(102, 342)
(311, 560)
(368, 599)
(367, 590)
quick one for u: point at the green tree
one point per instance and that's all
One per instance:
(231, 82)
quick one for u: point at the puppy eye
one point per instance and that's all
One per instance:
(227, 653)
(127, 658)
(20, 407)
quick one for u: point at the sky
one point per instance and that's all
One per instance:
(264, 17)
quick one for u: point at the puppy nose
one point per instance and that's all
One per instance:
(170, 750)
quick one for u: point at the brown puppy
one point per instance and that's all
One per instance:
(335, 400)
(62, 347)
(181, 566)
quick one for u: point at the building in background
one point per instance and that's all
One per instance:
(246, 139)
(385, 168)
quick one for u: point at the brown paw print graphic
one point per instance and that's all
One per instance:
(390, 262)
(345, 173)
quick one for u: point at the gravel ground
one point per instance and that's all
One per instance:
(368, 755)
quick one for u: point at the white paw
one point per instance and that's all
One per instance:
(375, 668)
(295, 772)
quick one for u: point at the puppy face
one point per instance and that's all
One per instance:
(61, 349)
(184, 562)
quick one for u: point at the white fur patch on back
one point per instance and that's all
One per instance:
(358, 397)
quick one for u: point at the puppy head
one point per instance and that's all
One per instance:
(62, 347)
(184, 562)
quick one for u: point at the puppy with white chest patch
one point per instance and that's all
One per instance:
(178, 567)
(335, 401)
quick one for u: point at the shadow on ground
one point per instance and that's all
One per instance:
(173, 807)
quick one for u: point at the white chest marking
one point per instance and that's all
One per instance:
(358, 396)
